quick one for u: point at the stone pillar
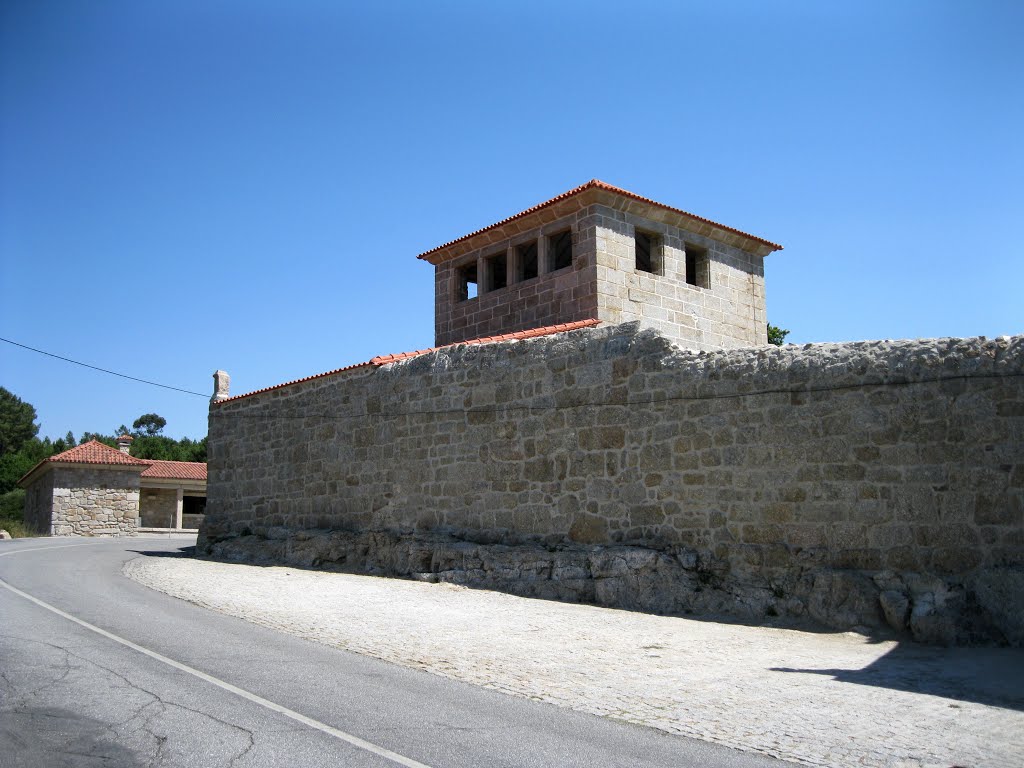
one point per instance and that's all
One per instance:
(512, 271)
(124, 444)
(543, 256)
(221, 385)
(483, 276)
(179, 506)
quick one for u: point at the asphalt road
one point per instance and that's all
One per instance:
(96, 670)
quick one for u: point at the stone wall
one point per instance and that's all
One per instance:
(191, 522)
(552, 297)
(858, 483)
(39, 504)
(728, 311)
(94, 501)
(158, 507)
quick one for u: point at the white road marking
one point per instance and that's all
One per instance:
(273, 706)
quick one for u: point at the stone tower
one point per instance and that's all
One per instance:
(600, 252)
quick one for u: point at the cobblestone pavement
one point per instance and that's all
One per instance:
(812, 698)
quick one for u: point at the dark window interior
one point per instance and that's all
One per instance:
(528, 261)
(499, 270)
(643, 252)
(698, 271)
(193, 505)
(561, 250)
(467, 282)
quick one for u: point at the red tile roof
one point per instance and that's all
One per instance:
(95, 452)
(516, 336)
(386, 359)
(367, 364)
(598, 184)
(176, 470)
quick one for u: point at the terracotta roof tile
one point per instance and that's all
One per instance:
(598, 184)
(516, 336)
(386, 359)
(176, 470)
(367, 364)
(95, 452)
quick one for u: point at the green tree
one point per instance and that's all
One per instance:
(149, 424)
(776, 335)
(16, 463)
(17, 422)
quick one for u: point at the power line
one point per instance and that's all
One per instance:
(103, 370)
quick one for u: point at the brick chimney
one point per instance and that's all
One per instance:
(124, 444)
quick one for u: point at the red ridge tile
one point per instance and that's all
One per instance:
(598, 184)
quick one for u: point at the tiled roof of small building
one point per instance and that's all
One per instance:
(175, 470)
(598, 184)
(386, 359)
(95, 452)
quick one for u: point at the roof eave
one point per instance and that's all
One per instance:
(582, 196)
(47, 464)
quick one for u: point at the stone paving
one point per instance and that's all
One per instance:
(811, 698)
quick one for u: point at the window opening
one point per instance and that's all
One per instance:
(497, 267)
(467, 282)
(528, 260)
(193, 505)
(644, 249)
(560, 246)
(698, 267)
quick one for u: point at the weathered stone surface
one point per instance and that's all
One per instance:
(896, 608)
(844, 599)
(84, 501)
(933, 618)
(1000, 593)
(791, 475)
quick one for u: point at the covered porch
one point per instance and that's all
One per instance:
(172, 497)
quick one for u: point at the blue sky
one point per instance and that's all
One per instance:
(187, 186)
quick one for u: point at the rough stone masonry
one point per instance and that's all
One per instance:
(856, 484)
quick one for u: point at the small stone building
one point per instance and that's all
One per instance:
(96, 490)
(598, 252)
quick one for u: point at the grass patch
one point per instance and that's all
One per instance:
(12, 519)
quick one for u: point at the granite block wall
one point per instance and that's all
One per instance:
(158, 507)
(39, 505)
(727, 308)
(94, 502)
(853, 483)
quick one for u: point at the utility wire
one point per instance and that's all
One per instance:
(103, 370)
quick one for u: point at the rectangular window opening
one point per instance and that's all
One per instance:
(560, 250)
(698, 267)
(646, 256)
(497, 268)
(527, 260)
(467, 282)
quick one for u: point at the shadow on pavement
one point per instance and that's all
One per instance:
(990, 676)
(180, 552)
